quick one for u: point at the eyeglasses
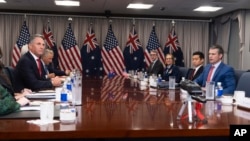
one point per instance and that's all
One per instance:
(169, 58)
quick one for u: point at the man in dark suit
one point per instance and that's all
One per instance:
(197, 61)
(217, 71)
(51, 72)
(29, 72)
(156, 66)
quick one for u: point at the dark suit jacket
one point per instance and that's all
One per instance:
(27, 75)
(52, 69)
(196, 75)
(157, 68)
(224, 74)
(172, 71)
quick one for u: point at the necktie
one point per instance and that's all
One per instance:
(39, 66)
(152, 65)
(192, 75)
(210, 73)
(46, 69)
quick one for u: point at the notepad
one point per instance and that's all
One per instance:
(40, 95)
(46, 91)
(30, 108)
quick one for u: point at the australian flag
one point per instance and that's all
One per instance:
(133, 52)
(51, 44)
(172, 46)
(91, 55)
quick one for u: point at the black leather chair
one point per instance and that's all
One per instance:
(184, 71)
(243, 83)
(9, 71)
(238, 74)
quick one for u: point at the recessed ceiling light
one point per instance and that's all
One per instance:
(208, 8)
(2, 1)
(139, 6)
(67, 3)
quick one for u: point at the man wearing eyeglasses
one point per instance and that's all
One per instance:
(156, 66)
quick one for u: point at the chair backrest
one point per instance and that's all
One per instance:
(243, 83)
(238, 74)
(9, 71)
(183, 71)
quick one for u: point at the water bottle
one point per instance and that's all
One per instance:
(219, 89)
(145, 75)
(69, 84)
(67, 113)
(159, 78)
(64, 95)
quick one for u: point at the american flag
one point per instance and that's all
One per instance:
(112, 88)
(49, 39)
(153, 44)
(91, 55)
(133, 52)
(172, 46)
(22, 40)
(69, 53)
(112, 56)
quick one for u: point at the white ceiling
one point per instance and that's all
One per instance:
(161, 8)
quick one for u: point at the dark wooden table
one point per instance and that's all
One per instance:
(118, 108)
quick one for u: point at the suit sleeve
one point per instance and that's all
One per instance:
(27, 70)
(228, 81)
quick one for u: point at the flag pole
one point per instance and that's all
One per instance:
(70, 20)
(173, 22)
(25, 17)
(133, 21)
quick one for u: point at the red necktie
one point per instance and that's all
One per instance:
(192, 74)
(210, 73)
(39, 66)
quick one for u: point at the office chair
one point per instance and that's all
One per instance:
(243, 83)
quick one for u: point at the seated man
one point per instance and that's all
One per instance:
(51, 72)
(29, 72)
(156, 66)
(217, 71)
(197, 61)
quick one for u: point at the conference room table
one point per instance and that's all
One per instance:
(119, 108)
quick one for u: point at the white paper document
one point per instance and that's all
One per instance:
(41, 95)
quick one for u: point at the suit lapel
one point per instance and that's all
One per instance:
(217, 71)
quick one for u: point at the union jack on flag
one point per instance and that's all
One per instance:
(112, 56)
(133, 52)
(91, 55)
(90, 41)
(69, 53)
(153, 44)
(172, 41)
(22, 40)
(49, 39)
(172, 46)
(133, 41)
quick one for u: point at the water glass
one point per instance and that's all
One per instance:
(171, 82)
(210, 87)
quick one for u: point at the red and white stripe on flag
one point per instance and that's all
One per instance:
(16, 54)
(70, 59)
(113, 60)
